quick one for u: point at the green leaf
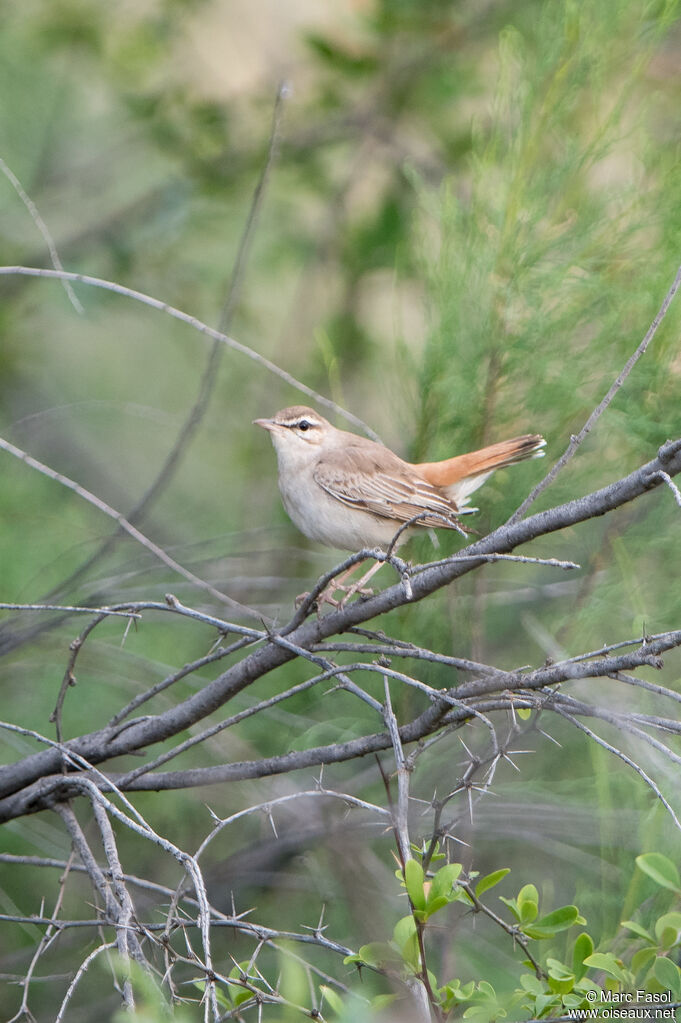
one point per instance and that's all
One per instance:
(561, 979)
(583, 948)
(528, 903)
(543, 1002)
(406, 942)
(432, 906)
(404, 930)
(631, 925)
(668, 938)
(642, 959)
(223, 999)
(485, 883)
(557, 969)
(472, 1011)
(485, 1006)
(376, 953)
(411, 955)
(571, 1000)
(669, 976)
(413, 879)
(462, 994)
(559, 920)
(529, 982)
(668, 929)
(239, 970)
(585, 984)
(562, 987)
(382, 1001)
(332, 998)
(524, 713)
(447, 991)
(512, 905)
(528, 893)
(661, 869)
(460, 895)
(528, 912)
(606, 962)
(442, 885)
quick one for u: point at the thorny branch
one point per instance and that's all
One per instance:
(38, 781)
(67, 773)
(274, 648)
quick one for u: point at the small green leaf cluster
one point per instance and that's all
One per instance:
(239, 987)
(653, 959)
(560, 981)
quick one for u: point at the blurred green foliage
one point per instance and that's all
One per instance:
(472, 222)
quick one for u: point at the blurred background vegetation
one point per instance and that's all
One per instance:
(474, 216)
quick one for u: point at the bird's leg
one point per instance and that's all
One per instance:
(360, 585)
(327, 594)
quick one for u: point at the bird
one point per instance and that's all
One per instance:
(348, 492)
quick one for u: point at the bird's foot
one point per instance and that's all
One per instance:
(327, 596)
(364, 592)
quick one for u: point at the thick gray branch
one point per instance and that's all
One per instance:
(101, 745)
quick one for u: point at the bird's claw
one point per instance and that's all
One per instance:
(327, 596)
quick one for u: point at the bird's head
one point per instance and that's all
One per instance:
(296, 428)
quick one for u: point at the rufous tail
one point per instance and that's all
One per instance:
(461, 476)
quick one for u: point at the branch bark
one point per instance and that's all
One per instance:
(30, 784)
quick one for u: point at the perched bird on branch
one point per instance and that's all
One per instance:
(349, 492)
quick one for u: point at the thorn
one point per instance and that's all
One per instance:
(416, 799)
(270, 818)
(470, 755)
(130, 622)
(546, 734)
(453, 838)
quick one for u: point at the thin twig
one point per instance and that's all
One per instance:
(196, 413)
(577, 439)
(318, 793)
(401, 813)
(203, 328)
(70, 608)
(82, 969)
(43, 228)
(51, 930)
(511, 930)
(128, 527)
(626, 759)
(522, 559)
(672, 486)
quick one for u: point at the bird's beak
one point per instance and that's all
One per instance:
(267, 424)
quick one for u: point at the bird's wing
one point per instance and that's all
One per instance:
(382, 484)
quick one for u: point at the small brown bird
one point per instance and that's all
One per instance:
(349, 492)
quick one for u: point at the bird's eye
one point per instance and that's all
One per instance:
(304, 425)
